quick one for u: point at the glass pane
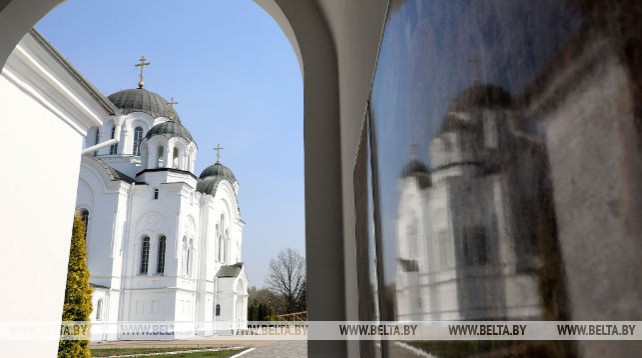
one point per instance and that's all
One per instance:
(507, 164)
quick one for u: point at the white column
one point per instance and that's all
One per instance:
(127, 139)
(167, 155)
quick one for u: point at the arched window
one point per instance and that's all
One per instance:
(448, 146)
(138, 138)
(185, 256)
(84, 214)
(221, 228)
(155, 194)
(218, 310)
(159, 160)
(99, 310)
(162, 243)
(175, 159)
(97, 139)
(114, 147)
(218, 241)
(190, 253)
(144, 255)
(226, 247)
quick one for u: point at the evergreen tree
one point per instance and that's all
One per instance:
(262, 312)
(253, 312)
(77, 305)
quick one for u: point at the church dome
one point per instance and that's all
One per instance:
(169, 129)
(481, 96)
(210, 178)
(414, 167)
(142, 100)
(218, 170)
(419, 171)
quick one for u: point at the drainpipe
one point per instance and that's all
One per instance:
(119, 122)
(215, 303)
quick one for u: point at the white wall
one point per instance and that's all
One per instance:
(38, 196)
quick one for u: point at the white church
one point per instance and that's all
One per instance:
(470, 224)
(162, 243)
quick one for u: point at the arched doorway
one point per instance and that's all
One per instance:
(305, 26)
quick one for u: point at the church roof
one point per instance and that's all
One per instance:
(208, 185)
(481, 95)
(210, 178)
(413, 167)
(111, 172)
(169, 129)
(142, 100)
(419, 171)
(219, 170)
(73, 71)
(230, 270)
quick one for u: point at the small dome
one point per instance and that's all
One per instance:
(169, 129)
(210, 178)
(414, 167)
(419, 171)
(142, 100)
(218, 170)
(481, 96)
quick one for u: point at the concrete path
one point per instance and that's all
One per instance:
(280, 349)
(191, 343)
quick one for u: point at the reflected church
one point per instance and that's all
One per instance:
(464, 250)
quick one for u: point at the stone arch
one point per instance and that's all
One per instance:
(304, 24)
(152, 223)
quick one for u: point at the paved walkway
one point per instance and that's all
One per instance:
(191, 343)
(280, 349)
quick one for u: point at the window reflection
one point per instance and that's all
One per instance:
(505, 174)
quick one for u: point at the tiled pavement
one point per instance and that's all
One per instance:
(276, 349)
(280, 349)
(298, 349)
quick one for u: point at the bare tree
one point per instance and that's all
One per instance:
(287, 279)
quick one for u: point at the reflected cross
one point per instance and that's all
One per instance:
(476, 62)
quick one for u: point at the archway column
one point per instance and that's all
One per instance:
(306, 28)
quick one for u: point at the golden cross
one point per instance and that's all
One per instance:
(171, 108)
(218, 153)
(142, 64)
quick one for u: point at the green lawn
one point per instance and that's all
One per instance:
(107, 352)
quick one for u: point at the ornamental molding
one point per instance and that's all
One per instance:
(37, 69)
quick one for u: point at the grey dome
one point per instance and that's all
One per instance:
(218, 170)
(210, 178)
(419, 171)
(481, 96)
(169, 129)
(414, 167)
(142, 100)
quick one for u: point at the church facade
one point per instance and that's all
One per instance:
(466, 251)
(162, 243)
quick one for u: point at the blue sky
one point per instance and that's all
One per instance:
(237, 82)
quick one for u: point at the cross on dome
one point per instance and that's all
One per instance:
(477, 69)
(171, 108)
(142, 65)
(218, 153)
